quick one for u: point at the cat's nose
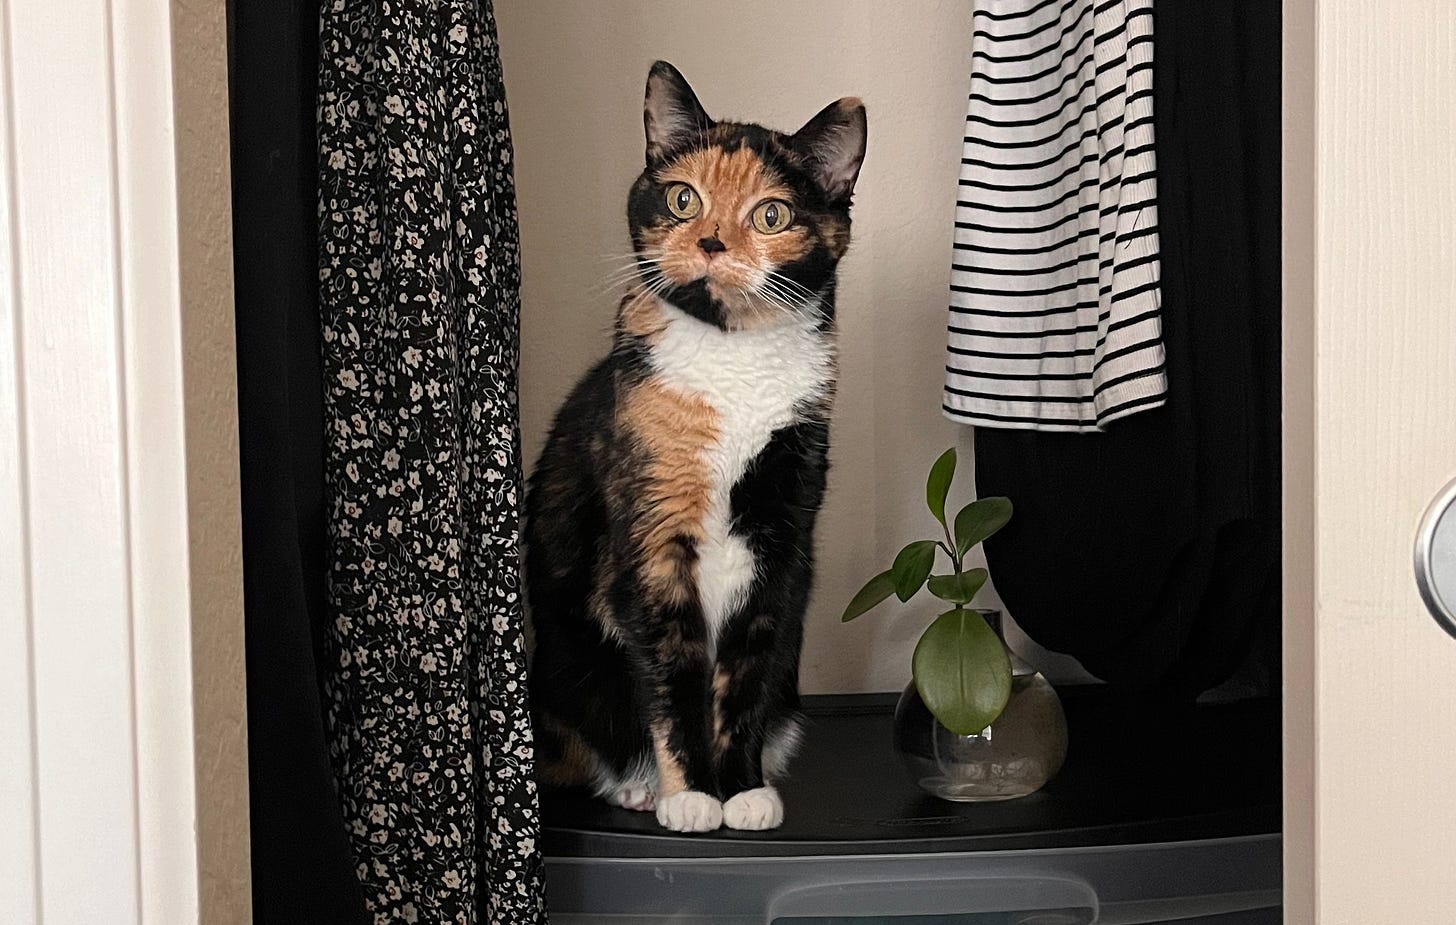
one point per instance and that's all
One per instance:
(711, 245)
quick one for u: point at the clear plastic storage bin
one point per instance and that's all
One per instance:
(1156, 818)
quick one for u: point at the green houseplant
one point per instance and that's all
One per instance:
(960, 666)
(976, 723)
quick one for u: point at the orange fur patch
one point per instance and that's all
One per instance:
(671, 779)
(641, 315)
(834, 231)
(673, 428)
(577, 765)
(722, 738)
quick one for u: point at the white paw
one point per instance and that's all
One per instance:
(689, 811)
(754, 810)
(636, 795)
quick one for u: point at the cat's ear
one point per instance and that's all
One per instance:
(671, 113)
(834, 143)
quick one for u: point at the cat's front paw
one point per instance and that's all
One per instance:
(689, 811)
(754, 810)
(637, 796)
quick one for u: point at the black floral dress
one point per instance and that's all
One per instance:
(419, 276)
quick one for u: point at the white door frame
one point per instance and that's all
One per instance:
(121, 659)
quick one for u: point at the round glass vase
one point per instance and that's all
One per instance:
(1013, 757)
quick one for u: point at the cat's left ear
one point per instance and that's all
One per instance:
(834, 142)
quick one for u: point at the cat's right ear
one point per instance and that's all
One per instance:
(671, 112)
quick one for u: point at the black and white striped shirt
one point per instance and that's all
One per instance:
(1054, 318)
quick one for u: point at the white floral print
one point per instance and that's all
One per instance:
(419, 294)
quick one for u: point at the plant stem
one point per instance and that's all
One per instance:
(950, 548)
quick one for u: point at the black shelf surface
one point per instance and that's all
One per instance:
(1136, 773)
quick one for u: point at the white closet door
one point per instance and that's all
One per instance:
(1370, 438)
(123, 769)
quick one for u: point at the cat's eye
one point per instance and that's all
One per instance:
(772, 217)
(683, 201)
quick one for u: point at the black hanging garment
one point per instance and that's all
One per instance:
(1151, 551)
(389, 746)
(419, 297)
(301, 864)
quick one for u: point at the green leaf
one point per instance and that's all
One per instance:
(875, 590)
(938, 485)
(962, 672)
(958, 589)
(912, 566)
(980, 519)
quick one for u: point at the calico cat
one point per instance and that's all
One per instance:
(670, 520)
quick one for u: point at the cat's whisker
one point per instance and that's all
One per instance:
(627, 261)
(793, 285)
(775, 285)
(771, 296)
(621, 279)
(633, 259)
(797, 294)
(635, 265)
(658, 285)
(613, 282)
(777, 290)
(632, 254)
(641, 270)
(776, 300)
(647, 281)
(774, 289)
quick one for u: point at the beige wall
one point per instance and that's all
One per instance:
(214, 514)
(574, 75)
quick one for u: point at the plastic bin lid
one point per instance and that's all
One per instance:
(1136, 773)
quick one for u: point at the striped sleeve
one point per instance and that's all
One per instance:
(1054, 303)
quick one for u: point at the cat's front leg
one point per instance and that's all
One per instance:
(686, 801)
(686, 793)
(755, 710)
(755, 725)
(683, 802)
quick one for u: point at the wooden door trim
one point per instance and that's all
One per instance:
(1298, 345)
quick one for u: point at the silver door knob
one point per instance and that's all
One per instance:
(1436, 558)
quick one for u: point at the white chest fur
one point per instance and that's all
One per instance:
(756, 381)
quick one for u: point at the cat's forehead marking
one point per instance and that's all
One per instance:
(717, 172)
